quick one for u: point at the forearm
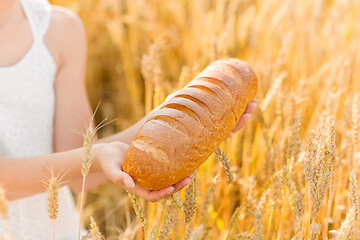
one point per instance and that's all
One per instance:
(93, 180)
(22, 177)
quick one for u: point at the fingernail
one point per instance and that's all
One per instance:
(248, 115)
(231, 134)
(187, 181)
(171, 189)
(256, 100)
(191, 175)
(128, 183)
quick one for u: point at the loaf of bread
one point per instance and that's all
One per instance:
(191, 125)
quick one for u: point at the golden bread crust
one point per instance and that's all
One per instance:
(191, 125)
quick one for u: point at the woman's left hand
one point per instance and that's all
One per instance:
(110, 158)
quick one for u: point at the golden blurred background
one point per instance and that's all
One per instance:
(305, 54)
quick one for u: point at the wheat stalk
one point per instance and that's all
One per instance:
(89, 138)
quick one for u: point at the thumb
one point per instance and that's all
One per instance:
(111, 163)
(121, 178)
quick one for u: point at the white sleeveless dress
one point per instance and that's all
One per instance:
(26, 129)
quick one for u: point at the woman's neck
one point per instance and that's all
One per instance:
(11, 13)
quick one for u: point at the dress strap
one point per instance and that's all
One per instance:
(38, 14)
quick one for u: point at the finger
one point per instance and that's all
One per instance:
(250, 108)
(112, 167)
(154, 195)
(246, 116)
(119, 177)
(241, 123)
(180, 185)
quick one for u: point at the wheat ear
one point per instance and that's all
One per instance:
(208, 198)
(354, 195)
(226, 165)
(297, 202)
(153, 231)
(89, 138)
(4, 212)
(189, 206)
(293, 144)
(348, 226)
(330, 157)
(94, 230)
(259, 226)
(168, 225)
(244, 236)
(175, 199)
(138, 210)
(198, 233)
(190, 203)
(53, 201)
(233, 221)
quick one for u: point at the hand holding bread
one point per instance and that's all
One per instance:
(190, 125)
(108, 158)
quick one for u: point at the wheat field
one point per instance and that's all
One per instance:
(291, 172)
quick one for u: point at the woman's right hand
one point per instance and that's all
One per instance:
(110, 158)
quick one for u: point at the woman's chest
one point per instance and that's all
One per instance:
(15, 42)
(27, 105)
(28, 85)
